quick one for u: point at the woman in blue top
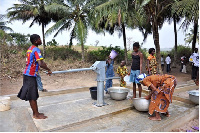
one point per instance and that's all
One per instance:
(109, 73)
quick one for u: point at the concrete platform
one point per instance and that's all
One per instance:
(74, 111)
(134, 121)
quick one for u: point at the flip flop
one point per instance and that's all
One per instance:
(195, 128)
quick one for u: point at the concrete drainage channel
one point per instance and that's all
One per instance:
(72, 110)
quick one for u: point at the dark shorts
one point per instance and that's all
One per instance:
(29, 89)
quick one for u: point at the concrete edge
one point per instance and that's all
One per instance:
(85, 121)
(82, 89)
(178, 121)
(183, 100)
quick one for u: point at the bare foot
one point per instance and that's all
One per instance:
(155, 118)
(167, 114)
(41, 113)
(40, 116)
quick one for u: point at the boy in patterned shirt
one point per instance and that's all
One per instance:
(34, 61)
(122, 71)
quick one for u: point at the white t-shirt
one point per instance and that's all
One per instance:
(168, 60)
(195, 59)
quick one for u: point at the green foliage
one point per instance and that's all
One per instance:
(62, 53)
(102, 55)
(189, 37)
(3, 24)
(30, 10)
(4, 37)
(52, 43)
(164, 53)
(180, 51)
(188, 9)
(21, 40)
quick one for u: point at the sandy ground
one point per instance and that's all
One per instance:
(70, 81)
(188, 127)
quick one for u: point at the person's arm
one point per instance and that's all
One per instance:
(148, 69)
(153, 88)
(141, 61)
(43, 65)
(131, 65)
(40, 61)
(118, 72)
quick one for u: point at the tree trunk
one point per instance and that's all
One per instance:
(195, 35)
(44, 45)
(157, 45)
(124, 39)
(82, 48)
(175, 46)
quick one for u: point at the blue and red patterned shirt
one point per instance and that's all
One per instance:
(32, 56)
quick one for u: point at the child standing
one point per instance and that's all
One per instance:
(29, 90)
(136, 68)
(122, 71)
(151, 62)
(109, 73)
(39, 83)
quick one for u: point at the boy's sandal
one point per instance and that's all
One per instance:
(44, 90)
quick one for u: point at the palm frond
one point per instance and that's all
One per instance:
(63, 22)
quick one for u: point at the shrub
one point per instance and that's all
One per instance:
(52, 43)
(62, 53)
(101, 55)
(180, 51)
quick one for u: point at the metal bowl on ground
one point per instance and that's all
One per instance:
(141, 104)
(194, 96)
(118, 93)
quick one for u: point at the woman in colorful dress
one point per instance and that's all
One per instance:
(122, 71)
(162, 88)
(151, 62)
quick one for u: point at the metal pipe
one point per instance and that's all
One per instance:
(113, 78)
(72, 70)
(100, 94)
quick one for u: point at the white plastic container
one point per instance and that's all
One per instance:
(113, 54)
(4, 103)
(127, 79)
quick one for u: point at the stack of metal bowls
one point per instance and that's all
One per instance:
(194, 96)
(118, 93)
(141, 104)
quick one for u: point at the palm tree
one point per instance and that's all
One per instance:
(31, 10)
(189, 37)
(74, 17)
(3, 24)
(115, 15)
(157, 12)
(189, 9)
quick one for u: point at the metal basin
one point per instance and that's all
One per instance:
(118, 93)
(194, 96)
(141, 104)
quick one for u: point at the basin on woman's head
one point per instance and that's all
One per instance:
(141, 104)
(118, 93)
(194, 96)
